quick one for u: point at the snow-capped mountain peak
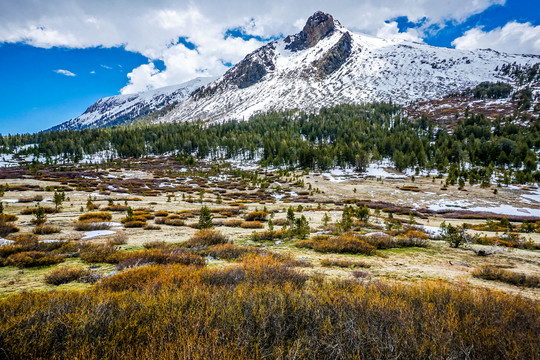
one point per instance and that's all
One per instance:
(325, 64)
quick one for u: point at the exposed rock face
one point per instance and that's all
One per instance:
(251, 69)
(247, 72)
(336, 56)
(318, 26)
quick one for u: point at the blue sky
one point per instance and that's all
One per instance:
(55, 61)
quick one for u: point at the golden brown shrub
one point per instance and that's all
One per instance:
(342, 244)
(207, 237)
(252, 225)
(102, 215)
(65, 274)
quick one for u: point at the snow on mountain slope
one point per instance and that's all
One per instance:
(323, 65)
(326, 64)
(119, 109)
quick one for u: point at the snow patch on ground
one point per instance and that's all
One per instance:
(533, 195)
(96, 233)
(4, 242)
(10, 200)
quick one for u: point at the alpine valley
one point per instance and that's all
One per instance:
(331, 196)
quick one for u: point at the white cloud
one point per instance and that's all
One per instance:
(152, 28)
(390, 31)
(513, 37)
(64, 72)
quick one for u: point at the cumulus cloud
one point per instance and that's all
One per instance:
(390, 31)
(513, 37)
(153, 28)
(64, 72)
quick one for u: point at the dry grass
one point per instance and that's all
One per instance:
(28, 259)
(489, 272)
(233, 223)
(256, 216)
(91, 225)
(46, 229)
(159, 256)
(344, 263)
(263, 309)
(134, 224)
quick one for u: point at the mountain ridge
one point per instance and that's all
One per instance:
(326, 64)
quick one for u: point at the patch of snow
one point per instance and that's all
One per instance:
(4, 242)
(96, 233)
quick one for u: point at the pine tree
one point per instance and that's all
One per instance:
(129, 216)
(290, 218)
(58, 199)
(302, 227)
(325, 219)
(39, 216)
(346, 219)
(205, 218)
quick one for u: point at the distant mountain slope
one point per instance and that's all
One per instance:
(120, 109)
(323, 65)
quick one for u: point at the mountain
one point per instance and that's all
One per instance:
(324, 65)
(122, 109)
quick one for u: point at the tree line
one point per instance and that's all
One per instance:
(344, 135)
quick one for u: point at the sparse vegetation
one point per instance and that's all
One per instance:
(402, 316)
(207, 237)
(489, 272)
(65, 274)
(340, 244)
